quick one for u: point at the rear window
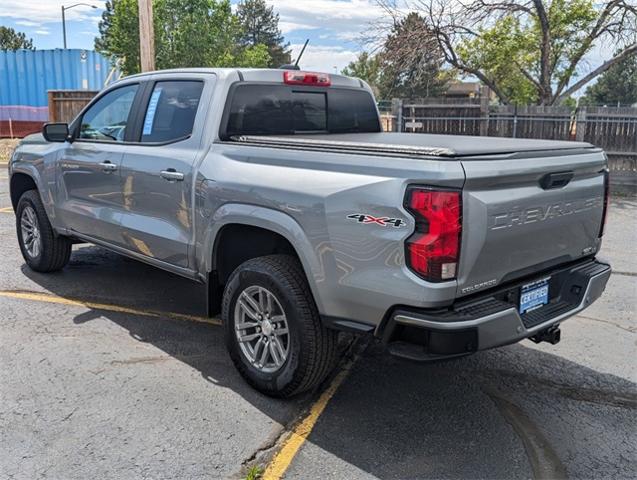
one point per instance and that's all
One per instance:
(260, 109)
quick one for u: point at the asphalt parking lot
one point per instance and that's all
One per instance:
(109, 370)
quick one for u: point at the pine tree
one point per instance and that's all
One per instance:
(410, 61)
(260, 26)
(618, 85)
(12, 40)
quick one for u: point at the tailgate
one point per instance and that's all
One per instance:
(520, 218)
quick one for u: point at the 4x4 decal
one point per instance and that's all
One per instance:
(383, 221)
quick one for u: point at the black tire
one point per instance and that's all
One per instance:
(312, 347)
(55, 250)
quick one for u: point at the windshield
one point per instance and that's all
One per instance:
(261, 109)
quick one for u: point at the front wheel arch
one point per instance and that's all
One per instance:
(20, 183)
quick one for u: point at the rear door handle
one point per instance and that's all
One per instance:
(108, 167)
(172, 175)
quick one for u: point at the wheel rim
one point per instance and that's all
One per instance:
(30, 232)
(261, 328)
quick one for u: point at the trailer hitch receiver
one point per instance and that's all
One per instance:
(551, 335)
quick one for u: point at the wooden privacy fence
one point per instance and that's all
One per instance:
(64, 105)
(612, 128)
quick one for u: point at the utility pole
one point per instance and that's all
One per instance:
(146, 36)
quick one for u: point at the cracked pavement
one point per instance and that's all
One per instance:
(105, 394)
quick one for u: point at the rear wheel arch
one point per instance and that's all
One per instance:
(237, 242)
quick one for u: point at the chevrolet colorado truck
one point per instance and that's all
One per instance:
(279, 191)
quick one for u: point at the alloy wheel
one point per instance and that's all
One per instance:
(30, 232)
(261, 329)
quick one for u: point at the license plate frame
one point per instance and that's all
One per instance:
(534, 295)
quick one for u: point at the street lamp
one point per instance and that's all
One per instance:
(63, 19)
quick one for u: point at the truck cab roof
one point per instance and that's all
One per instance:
(274, 75)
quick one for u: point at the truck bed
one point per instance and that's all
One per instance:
(528, 205)
(445, 146)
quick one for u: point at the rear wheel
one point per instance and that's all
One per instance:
(42, 250)
(273, 330)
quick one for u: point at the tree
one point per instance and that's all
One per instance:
(366, 67)
(12, 40)
(197, 33)
(618, 85)
(403, 65)
(119, 34)
(528, 51)
(410, 61)
(260, 26)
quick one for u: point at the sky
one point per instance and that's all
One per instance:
(334, 27)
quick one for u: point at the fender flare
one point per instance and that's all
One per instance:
(45, 193)
(269, 219)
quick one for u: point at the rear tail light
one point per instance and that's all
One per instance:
(296, 77)
(434, 248)
(605, 206)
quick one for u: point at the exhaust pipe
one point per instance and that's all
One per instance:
(551, 335)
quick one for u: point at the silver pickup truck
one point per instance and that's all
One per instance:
(278, 189)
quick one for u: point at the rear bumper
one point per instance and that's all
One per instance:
(492, 320)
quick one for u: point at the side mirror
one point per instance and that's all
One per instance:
(55, 132)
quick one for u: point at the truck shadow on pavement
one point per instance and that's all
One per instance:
(99, 276)
(514, 412)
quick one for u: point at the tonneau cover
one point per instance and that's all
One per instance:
(417, 144)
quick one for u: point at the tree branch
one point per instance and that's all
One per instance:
(587, 42)
(452, 58)
(628, 51)
(545, 49)
(528, 76)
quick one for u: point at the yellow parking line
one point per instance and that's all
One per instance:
(6, 210)
(48, 298)
(282, 460)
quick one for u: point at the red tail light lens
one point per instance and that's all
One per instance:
(605, 206)
(434, 248)
(296, 77)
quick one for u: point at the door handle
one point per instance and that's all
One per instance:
(172, 175)
(108, 167)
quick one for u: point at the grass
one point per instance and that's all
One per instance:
(6, 147)
(254, 472)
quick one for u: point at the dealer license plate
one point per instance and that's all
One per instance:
(534, 295)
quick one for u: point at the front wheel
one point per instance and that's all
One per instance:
(41, 248)
(273, 330)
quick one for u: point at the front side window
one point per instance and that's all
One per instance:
(171, 111)
(106, 119)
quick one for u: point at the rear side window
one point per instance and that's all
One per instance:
(261, 109)
(171, 111)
